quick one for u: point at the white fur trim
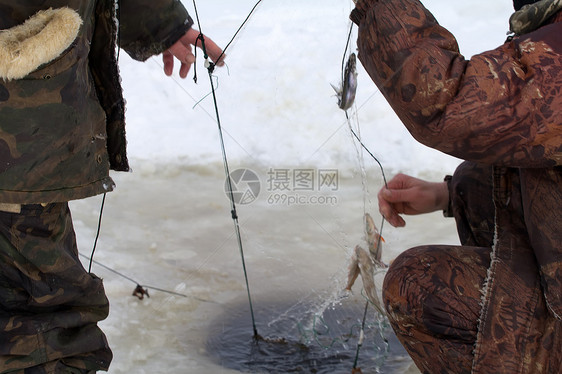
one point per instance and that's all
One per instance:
(39, 40)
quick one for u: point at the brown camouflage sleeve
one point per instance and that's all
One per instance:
(498, 108)
(149, 27)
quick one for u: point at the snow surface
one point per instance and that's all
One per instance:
(168, 223)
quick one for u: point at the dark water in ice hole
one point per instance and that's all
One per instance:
(302, 339)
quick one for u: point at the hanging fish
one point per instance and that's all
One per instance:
(374, 240)
(362, 264)
(365, 263)
(348, 87)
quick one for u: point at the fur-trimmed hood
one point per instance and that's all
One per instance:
(39, 40)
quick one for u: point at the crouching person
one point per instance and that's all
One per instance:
(493, 304)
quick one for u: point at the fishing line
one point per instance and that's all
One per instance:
(345, 52)
(207, 95)
(239, 29)
(343, 94)
(143, 286)
(362, 332)
(361, 336)
(368, 151)
(97, 233)
(140, 290)
(210, 67)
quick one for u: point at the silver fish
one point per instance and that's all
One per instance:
(365, 263)
(348, 87)
(362, 264)
(374, 240)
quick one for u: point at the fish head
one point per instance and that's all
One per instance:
(374, 239)
(373, 234)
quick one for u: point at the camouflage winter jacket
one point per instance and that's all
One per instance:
(62, 116)
(503, 108)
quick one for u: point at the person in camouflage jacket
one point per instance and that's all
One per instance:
(61, 129)
(492, 305)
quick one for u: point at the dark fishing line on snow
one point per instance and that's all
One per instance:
(141, 289)
(369, 152)
(210, 67)
(240, 28)
(97, 234)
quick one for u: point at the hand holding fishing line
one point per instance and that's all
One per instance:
(182, 50)
(408, 195)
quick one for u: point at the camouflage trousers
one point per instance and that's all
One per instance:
(49, 304)
(433, 293)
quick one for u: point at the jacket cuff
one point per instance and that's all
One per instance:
(176, 35)
(449, 211)
(153, 29)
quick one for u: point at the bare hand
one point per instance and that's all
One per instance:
(409, 195)
(182, 50)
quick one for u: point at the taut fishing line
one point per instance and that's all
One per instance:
(210, 67)
(140, 290)
(346, 84)
(97, 234)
